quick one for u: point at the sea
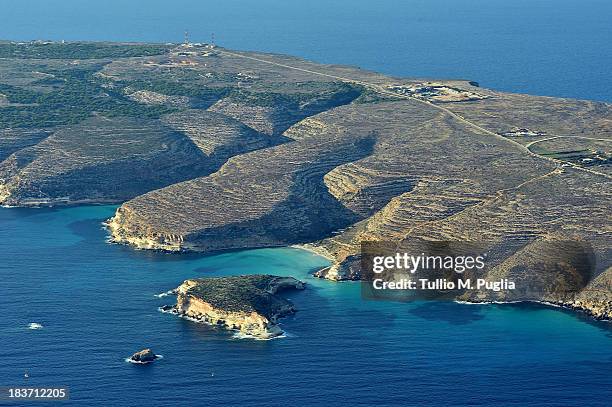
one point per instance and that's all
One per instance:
(541, 47)
(74, 306)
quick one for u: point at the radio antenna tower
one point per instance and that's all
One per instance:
(212, 39)
(186, 37)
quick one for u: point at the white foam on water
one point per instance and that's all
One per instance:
(486, 302)
(549, 304)
(242, 335)
(167, 293)
(288, 335)
(168, 311)
(136, 362)
(236, 335)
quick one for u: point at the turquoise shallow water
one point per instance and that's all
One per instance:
(97, 305)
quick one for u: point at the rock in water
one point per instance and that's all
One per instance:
(144, 356)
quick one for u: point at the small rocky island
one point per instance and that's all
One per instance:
(249, 304)
(143, 357)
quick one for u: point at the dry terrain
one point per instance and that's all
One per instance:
(213, 149)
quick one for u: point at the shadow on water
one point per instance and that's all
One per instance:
(93, 232)
(447, 311)
(89, 230)
(604, 365)
(377, 320)
(22, 214)
(605, 326)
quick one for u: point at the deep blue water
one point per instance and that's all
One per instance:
(543, 47)
(97, 304)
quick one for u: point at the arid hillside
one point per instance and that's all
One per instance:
(212, 149)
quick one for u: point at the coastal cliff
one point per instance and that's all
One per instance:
(248, 304)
